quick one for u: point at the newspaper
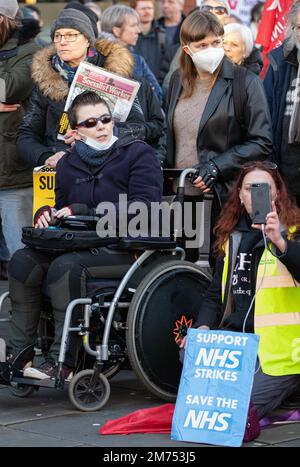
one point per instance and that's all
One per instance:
(43, 187)
(119, 92)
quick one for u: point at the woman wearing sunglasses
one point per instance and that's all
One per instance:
(53, 71)
(220, 8)
(256, 285)
(98, 169)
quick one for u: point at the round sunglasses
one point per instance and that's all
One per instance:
(92, 122)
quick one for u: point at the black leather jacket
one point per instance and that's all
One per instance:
(220, 136)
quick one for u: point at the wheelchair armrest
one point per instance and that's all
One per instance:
(147, 244)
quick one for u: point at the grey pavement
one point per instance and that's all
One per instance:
(47, 419)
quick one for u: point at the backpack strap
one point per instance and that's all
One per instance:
(161, 35)
(239, 94)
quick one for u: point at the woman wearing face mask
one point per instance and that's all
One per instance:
(98, 169)
(203, 129)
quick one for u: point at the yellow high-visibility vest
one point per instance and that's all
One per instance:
(276, 315)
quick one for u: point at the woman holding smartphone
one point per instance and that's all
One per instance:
(256, 285)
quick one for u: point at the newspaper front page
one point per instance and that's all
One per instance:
(119, 92)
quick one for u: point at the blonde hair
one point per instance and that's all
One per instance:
(7, 28)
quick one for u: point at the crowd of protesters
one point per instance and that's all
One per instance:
(201, 104)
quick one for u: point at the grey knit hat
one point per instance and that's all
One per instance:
(73, 19)
(9, 8)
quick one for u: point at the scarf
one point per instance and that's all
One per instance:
(66, 71)
(294, 128)
(92, 156)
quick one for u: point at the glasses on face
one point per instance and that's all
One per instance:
(69, 37)
(219, 10)
(92, 122)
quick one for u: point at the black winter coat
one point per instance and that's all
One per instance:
(37, 136)
(254, 62)
(132, 168)
(221, 137)
(282, 70)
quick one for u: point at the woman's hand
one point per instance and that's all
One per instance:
(45, 219)
(272, 229)
(53, 160)
(8, 107)
(199, 183)
(69, 137)
(183, 341)
(63, 212)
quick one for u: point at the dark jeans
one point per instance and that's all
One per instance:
(66, 278)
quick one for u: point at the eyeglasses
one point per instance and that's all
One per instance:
(260, 165)
(69, 37)
(219, 10)
(92, 122)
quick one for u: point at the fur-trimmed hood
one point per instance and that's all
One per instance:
(117, 59)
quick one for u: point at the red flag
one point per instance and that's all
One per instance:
(271, 29)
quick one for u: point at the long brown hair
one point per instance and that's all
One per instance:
(288, 213)
(7, 27)
(196, 26)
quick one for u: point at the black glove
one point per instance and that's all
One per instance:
(209, 173)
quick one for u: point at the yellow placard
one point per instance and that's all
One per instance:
(43, 187)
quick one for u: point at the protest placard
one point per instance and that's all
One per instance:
(215, 387)
(119, 92)
(43, 187)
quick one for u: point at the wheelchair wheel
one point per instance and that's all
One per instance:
(21, 390)
(164, 305)
(88, 391)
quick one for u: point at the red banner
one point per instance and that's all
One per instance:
(271, 28)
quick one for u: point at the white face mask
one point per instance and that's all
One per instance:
(208, 59)
(92, 143)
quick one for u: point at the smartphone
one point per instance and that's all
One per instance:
(261, 202)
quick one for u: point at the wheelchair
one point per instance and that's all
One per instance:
(140, 318)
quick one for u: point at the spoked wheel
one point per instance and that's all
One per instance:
(164, 305)
(89, 391)
(21, 390)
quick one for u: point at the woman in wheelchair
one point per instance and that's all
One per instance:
(255, 287)
(97, 169)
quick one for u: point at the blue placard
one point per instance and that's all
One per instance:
(215, 387)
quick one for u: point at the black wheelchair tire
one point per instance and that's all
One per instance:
(83, 378)
(21, 390)
(136, 355)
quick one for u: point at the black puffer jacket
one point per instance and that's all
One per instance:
(254, 62)
(220, 136)
(37, 136)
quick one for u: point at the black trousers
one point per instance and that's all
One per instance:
(65, 277)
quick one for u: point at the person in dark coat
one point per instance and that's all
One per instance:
(151, 43)
(53, 70)
(281, 84)
(96, 171)
(16, 52)
(239, 47)
(202, 128)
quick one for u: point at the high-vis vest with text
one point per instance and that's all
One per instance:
(276, 315)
